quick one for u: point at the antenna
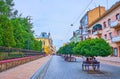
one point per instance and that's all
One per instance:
(107, 4)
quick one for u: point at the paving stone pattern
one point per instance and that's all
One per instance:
(60, 69)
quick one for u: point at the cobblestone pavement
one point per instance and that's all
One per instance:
(60, 69)
(24, 71)
(110, 58)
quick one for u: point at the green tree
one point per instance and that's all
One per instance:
(93, 47)
(61, 50)
(1, 31)
(18, 32)
(37, 45)
(6, 35)
(7, 32)
(67, 49)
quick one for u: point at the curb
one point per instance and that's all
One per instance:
(39, 74)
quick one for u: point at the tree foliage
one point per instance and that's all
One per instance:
(93, 47)
(16, 31)
(67, 49)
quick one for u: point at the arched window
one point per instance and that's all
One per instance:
(118, 16)
(109, 22)
(104, 24)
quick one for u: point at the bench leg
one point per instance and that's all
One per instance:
(87, 67)
(82, 67)
(94, 68)
(98, 67)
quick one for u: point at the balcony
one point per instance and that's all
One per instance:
(116, 39)
(115, 24)
(98, 32)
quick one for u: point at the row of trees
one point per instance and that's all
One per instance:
(15, 30)
(88, 48)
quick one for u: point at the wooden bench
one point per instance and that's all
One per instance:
(94, 65)
(70, 59)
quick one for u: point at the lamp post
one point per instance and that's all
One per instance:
(29, 19)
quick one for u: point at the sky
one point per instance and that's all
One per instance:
(56, 16)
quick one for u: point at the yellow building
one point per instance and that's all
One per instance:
(47, 43)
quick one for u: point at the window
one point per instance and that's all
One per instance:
(104, 24)
(110, 34)
(93, 31)
(89, 31)
(43, 42)
(105, 36)
(115, 51)
(109, 22)
(43, 35)
(118, 31)
(118, 16)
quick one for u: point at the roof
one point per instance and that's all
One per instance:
(44, 35)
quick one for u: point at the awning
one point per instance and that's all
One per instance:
(97, 26)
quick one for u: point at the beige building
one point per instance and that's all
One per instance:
(107, 26)
(89, 18)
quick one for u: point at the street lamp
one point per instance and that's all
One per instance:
(71, 25)
(29, 19)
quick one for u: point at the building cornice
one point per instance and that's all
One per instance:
(106, 13)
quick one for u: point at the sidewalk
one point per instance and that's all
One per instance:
(107, 60)
(110, 60)
(24, 71)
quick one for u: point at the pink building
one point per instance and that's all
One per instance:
(108, 27)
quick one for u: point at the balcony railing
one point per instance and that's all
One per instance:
(116, 39)
(115, 24)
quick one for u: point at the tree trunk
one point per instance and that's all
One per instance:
(70, 57)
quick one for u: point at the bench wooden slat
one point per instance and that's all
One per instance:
(93, 64)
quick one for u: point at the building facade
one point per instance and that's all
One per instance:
(47, 43)
(88, 18)
(76, 36)
(108, 27)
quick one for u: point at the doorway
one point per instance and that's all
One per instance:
(115, 52)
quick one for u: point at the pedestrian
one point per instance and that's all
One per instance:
(87, 59)
(94, 59)
(95, 63)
